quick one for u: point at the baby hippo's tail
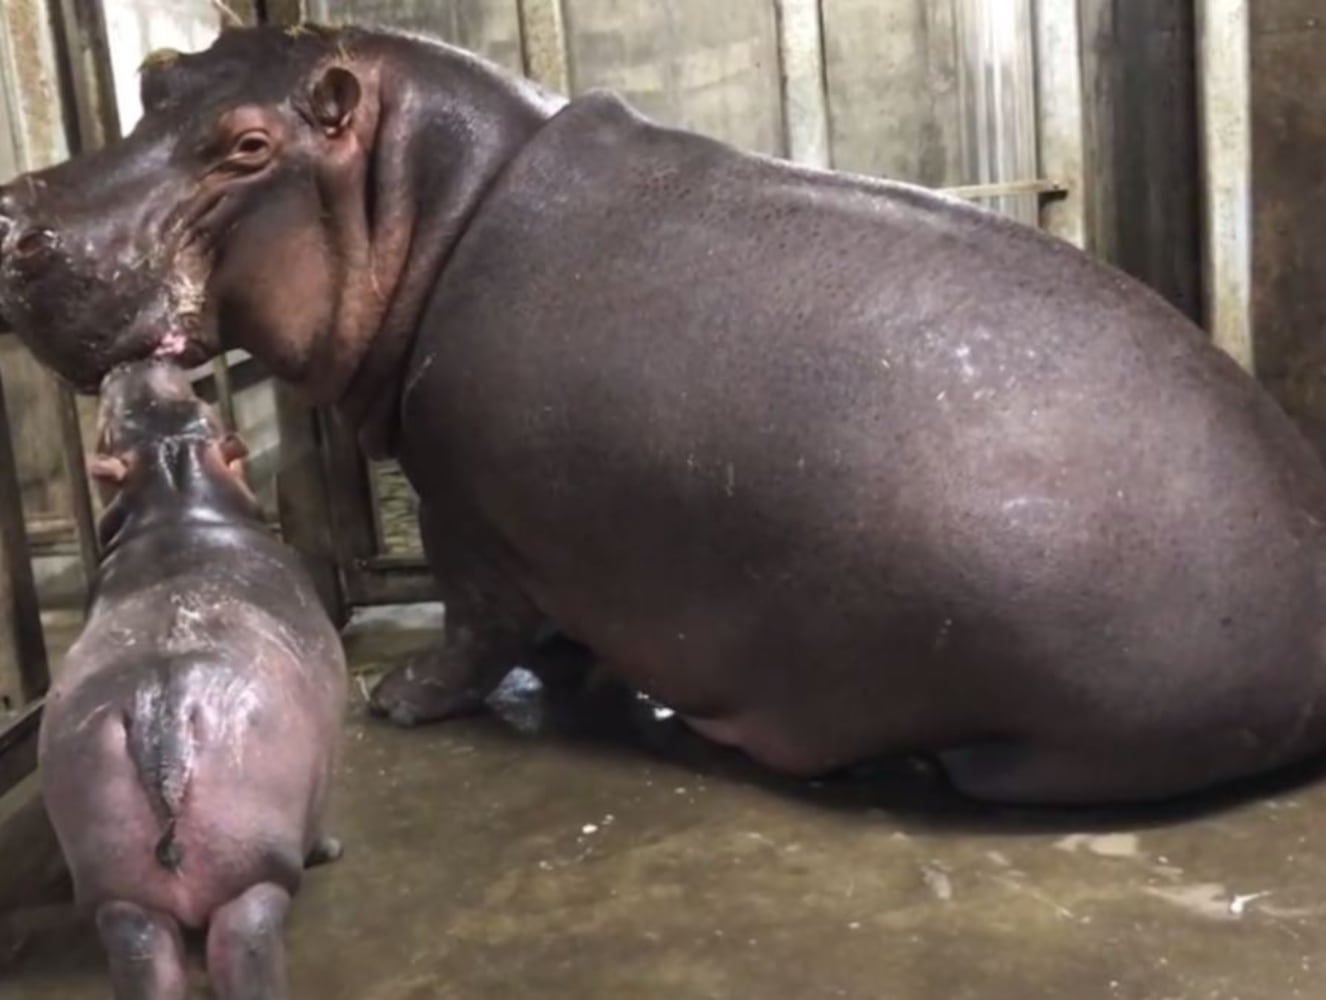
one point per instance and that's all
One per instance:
(162, 739)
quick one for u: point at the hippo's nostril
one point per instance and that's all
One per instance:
(33, 242)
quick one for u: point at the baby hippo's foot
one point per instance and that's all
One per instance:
(428, 687)
(324, 851)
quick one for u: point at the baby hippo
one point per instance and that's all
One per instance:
(189, 740)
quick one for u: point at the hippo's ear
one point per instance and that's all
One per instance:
(334, 99)
(107, 469)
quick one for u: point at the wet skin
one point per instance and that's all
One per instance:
(834, 467)
(189, 738)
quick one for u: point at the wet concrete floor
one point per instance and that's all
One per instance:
(485, 862)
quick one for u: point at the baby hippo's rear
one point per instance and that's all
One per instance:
(188, 741)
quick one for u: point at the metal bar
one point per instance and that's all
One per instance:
(1060, 114)
(805, 97)
(282, 11)
(402, 584)
(374, 484)
(1224, 96)
(245, 10)
(18, 746)
(543, 43)
(80, 495)
(81, 32)
(353, 515)
(50, 528)
(225, 392)
(977, 192)
(30, 63)
(24, 674)
(392, 563)
(303, 492)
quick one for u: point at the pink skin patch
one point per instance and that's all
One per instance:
(172, 345)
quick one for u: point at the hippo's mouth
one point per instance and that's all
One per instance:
(186, 329)
(183, 349)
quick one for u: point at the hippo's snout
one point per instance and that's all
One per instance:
(91, 271)
(23, 239)
(28, 247)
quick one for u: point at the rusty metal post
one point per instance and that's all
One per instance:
(24, 676)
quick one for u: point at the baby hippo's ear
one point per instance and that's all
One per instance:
(109, 470)
(233, 451)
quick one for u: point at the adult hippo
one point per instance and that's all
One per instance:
(834, 467)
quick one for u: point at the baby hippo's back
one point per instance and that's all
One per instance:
(189, 739)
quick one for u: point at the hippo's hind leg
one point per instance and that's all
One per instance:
(246, 946)
(145, 950)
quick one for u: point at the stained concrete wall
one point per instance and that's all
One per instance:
(1288, 39)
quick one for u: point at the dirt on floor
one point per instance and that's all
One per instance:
(556, 856)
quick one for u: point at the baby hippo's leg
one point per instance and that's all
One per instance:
(146, 953)
(246, 946)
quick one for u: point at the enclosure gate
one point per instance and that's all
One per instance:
(983, 98)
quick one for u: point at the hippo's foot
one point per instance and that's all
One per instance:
(324, 851)
(428, 687)
(146, 953)
(246, 946)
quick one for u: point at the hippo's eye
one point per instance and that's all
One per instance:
(250, 146)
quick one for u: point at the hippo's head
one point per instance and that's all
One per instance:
(149, 416)
(234, 204)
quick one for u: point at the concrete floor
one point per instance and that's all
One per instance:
(483, 862)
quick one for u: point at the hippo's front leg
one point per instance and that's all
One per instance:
(445, 681)
(489, 626)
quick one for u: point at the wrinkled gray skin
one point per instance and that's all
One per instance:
(188, 740)
(834, 467)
